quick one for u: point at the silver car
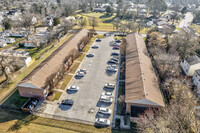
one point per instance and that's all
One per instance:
(106, 99)
(109, 85)
(105, 111)
(109, 94)
(103, 122)
(73, 88)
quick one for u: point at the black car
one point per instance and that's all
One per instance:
(98, 40)
(67, 102)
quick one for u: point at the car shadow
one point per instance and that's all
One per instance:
(108, 89)
(71, 92)
(99, 126)
(79, 77)
(64, 107)
(102, 104)
(110, 73)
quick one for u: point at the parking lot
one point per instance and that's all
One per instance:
(86, 99)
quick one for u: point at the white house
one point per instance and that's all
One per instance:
(7, 40)
(28, 44)
(3, 44)
(189, 65)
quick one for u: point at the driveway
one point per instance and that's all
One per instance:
(86, 100)
(187, 20)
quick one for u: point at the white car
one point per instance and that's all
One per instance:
(109, 94)
(83, 70)
(113, 65)
(112, 61)
(109, 85)
(103, 122)
(105, 111)
(73, 88)
(111, 69)
(95, 46)
(90, 55)
(106, 99)
(80, 74)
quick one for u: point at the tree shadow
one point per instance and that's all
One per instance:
(24, 122)
(105, 16)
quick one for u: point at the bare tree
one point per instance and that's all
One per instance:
(93, 22)
(83, 22)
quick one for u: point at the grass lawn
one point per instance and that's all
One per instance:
(23, 123)
(104, 20)
(15, 100)
(66, 81)
(81, 57)
(74, 67)
(57, 96)
(99, 36)
(11, 86)
(86, 49)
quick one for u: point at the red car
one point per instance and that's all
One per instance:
(116, 47)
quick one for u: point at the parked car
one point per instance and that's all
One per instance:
(106, 99)
(115, 44)
(116, 47)
(118, 41)
(80, 74)
(90, 55)
(98, 40)
(113, 62)
(105, 111)
(67, 102)
(113, 65)
(73, 88)
(111, 69)
(103, 122)
(95, 46)
(109, 85)
(115, 54)
(109, 94)
(83, 70)
(31, 107)
(35, 102)
(115, 59)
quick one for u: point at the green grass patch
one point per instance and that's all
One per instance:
(99, 36)
(86, 49)
(118, 37)
(57, 96)
(74, 67)
(81, 57)
(15, 100)
(66, 82)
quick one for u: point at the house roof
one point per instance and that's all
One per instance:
(50, 65)
(141, 82)
(193, 60)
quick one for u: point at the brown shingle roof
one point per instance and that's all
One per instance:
(141, 81)
(39, 75)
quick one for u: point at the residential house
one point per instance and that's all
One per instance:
(141, 84)
(18, 35)
(22, 58)
(3, 44)
(189, 65)
(28, 44)
(7, 40)
(166, 29)
(34, 85)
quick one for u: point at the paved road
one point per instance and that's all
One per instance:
(187, 20)
(91, 86)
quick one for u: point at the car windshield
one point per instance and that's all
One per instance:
(105, 121)
(107, 110)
